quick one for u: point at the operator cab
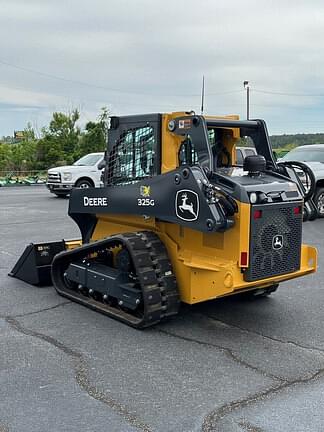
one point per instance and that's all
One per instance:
(228, 146)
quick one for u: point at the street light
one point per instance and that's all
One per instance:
(247, 88)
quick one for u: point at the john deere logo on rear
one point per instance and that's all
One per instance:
(277, 242)
(187, 205)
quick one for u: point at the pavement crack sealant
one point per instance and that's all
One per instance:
(227, 351)
(81, 370)
(248, 427)
(271, 338)
(211, 420)
(41, 310)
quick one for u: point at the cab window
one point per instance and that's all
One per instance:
(132, 157)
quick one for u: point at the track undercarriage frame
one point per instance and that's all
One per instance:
(127, 277)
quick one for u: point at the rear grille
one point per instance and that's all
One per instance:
(54, 178)
(275, 240)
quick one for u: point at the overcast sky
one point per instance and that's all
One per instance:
(149, 56)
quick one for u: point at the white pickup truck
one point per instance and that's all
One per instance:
(84, 173)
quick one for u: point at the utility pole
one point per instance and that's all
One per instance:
(203, 95)
(247, 88)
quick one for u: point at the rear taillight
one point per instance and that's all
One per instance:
(257, 214)
(297, 210)
(244, 259)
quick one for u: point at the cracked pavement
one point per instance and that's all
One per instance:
(226, 365)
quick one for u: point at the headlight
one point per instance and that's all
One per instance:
(253, 197)
(67, 176)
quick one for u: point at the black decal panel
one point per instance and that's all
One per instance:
(164, 196)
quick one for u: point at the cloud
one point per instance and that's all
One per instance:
(18, 96)
(158, 52)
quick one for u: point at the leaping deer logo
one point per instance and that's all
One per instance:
(187, 202)
(277, 242)
(188, 207)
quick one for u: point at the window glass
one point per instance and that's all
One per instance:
(245, 141)
(239, 157)
(249, 152)
(88, 160)
(305, 155)
(132, 157)
(221, 156)
(187, 152)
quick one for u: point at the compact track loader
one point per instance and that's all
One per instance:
(178, 220)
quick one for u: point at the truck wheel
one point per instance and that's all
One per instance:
(61, 195)
(83, 184)
(319, 201)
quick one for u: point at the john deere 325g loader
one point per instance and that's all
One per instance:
(178, 220)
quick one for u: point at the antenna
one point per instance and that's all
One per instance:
(202, 95)
(247, 88)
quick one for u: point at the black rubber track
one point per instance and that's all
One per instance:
(153, 270)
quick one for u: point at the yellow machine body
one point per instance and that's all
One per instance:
(206, 265)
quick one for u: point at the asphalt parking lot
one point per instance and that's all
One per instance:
(228, 365)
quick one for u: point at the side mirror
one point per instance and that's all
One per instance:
(102, 164)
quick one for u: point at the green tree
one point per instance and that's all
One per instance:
(25, 151)
(29, 133)
(19, 156)
(59, 142)
(94, 138)
(5, 156)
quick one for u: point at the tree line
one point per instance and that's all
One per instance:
(295, 140)
(60, 143)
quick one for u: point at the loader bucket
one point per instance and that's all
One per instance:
(34, 265)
